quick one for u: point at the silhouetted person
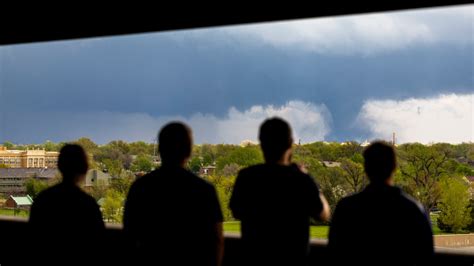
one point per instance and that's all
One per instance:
(173, 217)
(66, 223)
(381, 225)
(275, 201)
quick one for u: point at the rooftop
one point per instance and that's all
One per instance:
(25, 200)
(28, 172)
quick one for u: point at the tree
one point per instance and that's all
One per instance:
(51, 146)
(354, 175)
(114, 167)
(421, 168)
(231, 170)
(215, 179)
(87, 144)
(327, 152)
(35, 186)
(454, 205)
(244, 156)
(302, 155)
(120, 145)
(112, 206)
(301, 151)
(208, 153)
(224, 186)
(122, 183)
(141, 148)
(332, 184)
(3, 165)
(195, 164)
(217, 151)
(464, 170)
(9, 145)
(349, 149)
(224, 199)
(99, 189)
(471, 225)
(143, 163)
(114, 151)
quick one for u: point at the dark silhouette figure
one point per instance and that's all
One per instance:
(381, 225)
(66, 223)
(173, 217)
(275, 202)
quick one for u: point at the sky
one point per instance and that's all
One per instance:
(359, 77)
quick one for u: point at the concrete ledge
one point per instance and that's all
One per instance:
(14, 233)
(454, 241)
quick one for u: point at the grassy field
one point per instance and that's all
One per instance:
(21, 213)
(320, 231)
(234, 227)
(315, 232)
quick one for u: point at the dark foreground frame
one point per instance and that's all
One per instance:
(15, 238)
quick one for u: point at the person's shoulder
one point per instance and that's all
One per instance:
(344, 209)
(299, 175)
(150, 175)
(73, 193)
(411, 202)
(89, 199)
(198, 181)
(48, 193)
(350, 202)
(145, 179)
(182, 176)
(297, 171)
(253, 169)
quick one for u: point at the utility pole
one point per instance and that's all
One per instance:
(155, 145)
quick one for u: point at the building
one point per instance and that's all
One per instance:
(23, 202)
(331, 164)
(207, 170)
(247, 142)
(96, 177)
(28, 158)
(156, 160)
(12, 180)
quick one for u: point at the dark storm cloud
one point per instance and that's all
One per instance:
(183, 73)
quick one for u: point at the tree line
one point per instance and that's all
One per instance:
(435, 174)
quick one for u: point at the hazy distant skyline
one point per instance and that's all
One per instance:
(342, 78)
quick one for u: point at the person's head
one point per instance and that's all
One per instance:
(379, 162)
(175, 143)
(73, 163)
(275, 139)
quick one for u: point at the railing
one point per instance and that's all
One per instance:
(14, 234)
